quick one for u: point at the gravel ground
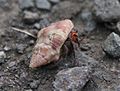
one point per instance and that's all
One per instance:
(89, 20)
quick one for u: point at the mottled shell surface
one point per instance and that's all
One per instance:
(49, 42)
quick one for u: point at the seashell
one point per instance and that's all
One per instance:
(49, 43)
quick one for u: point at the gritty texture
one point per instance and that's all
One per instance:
(69, 9)
(112, 45)
(71, 79)
(15, 74)
(107, 10)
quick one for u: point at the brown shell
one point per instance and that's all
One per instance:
(49, 42)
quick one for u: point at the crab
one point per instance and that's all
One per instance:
(50, 42)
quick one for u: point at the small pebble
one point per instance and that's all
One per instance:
(118, 88)
(30, 17)
(111, 45)
(2, 54)
(26, 4)
(4, 4)
(31, 42)
(7, 48)
(11, 64)
(37, 26)
(34, 84)
(2, 57)
(92, 37)
(44, 23)
(29, 90)
(88, 20)
(85, 47)
(86, 15)
(43, 4)
(20, 48)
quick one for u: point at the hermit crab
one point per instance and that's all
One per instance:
(49, 42)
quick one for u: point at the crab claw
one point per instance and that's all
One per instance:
(49, 43)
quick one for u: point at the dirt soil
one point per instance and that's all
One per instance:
(15, 74)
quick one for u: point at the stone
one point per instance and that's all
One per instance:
(20, 48)
(54, 1)
(43, 4)
(29, 90)
(30, 17)
(34, 84)
(44, 23)
(106, 10)
(81, 59)
(86, 15)
(37, 26)
(85, 47)
(7, 48)
(72, 79)
(11, 64)
(118, 88)
(2, 57)
(65, 10)
(4, 4)
(112, 45)
(118, 28)
(31, 42)
(2, 54)
(26, 4)
(88, 20)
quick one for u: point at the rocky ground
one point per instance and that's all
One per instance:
(94, 66)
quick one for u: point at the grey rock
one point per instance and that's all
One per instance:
(81, 59)
(1, 84)
(11, 64)
(72, 79)
(86, 15)
(118, 88)
(29, 90)
(2, 57)
(2, 54)
(30, 17)
(37, 26)
(88, 20)
(65, 9)
(118, 28)
(54, 1)
(90, 26)
(34, 84)
(7, 48)
(26, 4)
(44, 23)
(20, 48)
(107, 10)
(91, 86)
(32, 42)
(43, 4)
(112, 45)
(4, 4)
(23, 75)
(85, 47)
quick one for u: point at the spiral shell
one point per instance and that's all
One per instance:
(49, 42)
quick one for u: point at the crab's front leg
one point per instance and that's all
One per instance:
(68, 46)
